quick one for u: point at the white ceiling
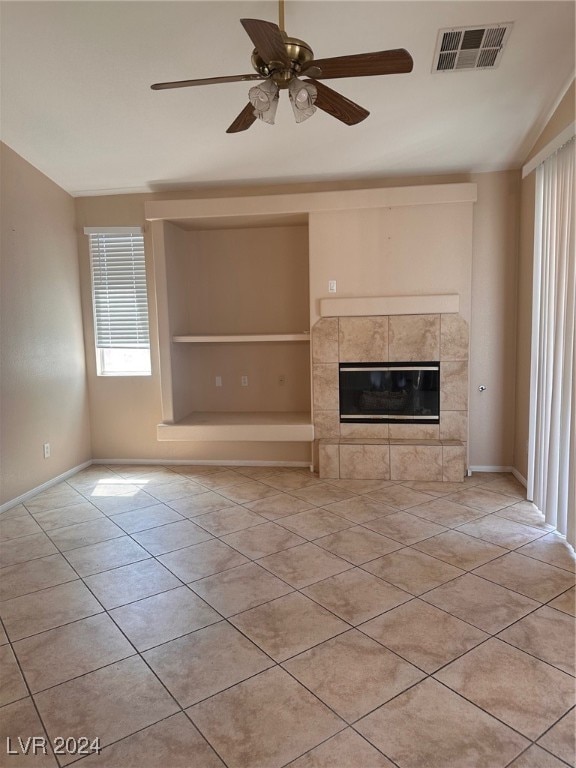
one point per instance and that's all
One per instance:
(76, 100)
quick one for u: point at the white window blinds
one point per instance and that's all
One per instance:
(119, 288)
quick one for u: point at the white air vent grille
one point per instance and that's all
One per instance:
(470, 47)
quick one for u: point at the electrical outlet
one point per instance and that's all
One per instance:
(331, 286)
(281, 380)
(244, 381)
(46, 450)
(218, 381)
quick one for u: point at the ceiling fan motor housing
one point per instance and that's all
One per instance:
(297, 51)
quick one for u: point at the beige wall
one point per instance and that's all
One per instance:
(125, 411)
(420, 249)
(564, 114)
(43, 379)
(524, 325)
(248, 280)
(493, 327)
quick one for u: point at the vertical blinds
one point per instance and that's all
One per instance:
(119, 288)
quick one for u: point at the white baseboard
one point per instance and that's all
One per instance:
(205, 462)
(39, 488)
(491, 469)
(519, 477)
(513, 470)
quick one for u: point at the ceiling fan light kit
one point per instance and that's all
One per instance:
(264, 99)
(279, 62)
(302, 97)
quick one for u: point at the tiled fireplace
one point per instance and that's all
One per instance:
(392, 451)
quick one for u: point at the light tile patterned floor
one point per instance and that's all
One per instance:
(258, 617)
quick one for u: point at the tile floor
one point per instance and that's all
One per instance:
(201, 617)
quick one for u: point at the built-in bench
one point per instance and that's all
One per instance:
(391, 459)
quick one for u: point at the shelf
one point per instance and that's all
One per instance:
(236, 338)
(262, 426)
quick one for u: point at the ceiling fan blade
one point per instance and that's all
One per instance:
(244, 120)
(392, 62)
(205, 81)
(337, 105)
(267, 40)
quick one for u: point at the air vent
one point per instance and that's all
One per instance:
(470, 47)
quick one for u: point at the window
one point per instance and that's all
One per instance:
(120, 301)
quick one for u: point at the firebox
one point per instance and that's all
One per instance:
(390, 393)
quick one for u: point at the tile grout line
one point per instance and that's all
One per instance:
(528, 653)
(274, 664)
(429, 675)
(310, 541)
(64, 624)
(546, 749)
(140, 730)
(324, 741)
(298, 590)
(137, 653)
(484, 541)
(491, 635)
(548, 603)
(31, 697)
(495, 717)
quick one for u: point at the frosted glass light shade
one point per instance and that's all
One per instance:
(302, 97)
(264, 99)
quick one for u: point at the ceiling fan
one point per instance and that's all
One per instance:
(280, 61)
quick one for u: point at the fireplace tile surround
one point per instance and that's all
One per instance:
(427, 452)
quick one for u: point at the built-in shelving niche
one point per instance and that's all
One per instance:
(233, 302)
